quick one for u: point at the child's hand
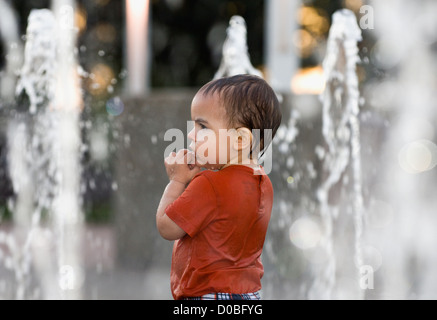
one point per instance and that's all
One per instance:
(181, 167)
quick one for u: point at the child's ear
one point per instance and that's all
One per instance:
(244, 139)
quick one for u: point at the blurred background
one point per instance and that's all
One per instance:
(141, 62)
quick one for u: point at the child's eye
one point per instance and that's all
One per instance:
(202, 126)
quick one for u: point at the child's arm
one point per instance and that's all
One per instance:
(180, 174)
(166, 227)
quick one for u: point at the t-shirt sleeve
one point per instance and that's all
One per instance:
(196, 206)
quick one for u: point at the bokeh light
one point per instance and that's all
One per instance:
(308, 81)
(115, 106)
(100, 79)
(314, 20)
(80, 19)
(106, 32)
(353, 5)
(290, 180)
(418, 156)
(304, 42)
(305, 233)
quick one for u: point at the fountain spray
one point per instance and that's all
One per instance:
(44, 157)
(341, 132)
(235, 59)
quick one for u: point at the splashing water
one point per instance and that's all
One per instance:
(43, 142)
(38, 72)
(407, 36)
(341, 158)
(10, 36)
(236, 58)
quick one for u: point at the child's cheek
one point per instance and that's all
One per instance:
(224, 146)
(206, 146)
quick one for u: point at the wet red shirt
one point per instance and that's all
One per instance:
(225, 215)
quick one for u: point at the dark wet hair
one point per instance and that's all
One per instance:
(249, 102)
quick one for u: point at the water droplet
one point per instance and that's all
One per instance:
(92, 184)
(126, 139)
(114, 186)
(154, 139)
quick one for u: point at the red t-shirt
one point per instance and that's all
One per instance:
(225, 215)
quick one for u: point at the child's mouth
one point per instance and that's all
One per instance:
(192, 147)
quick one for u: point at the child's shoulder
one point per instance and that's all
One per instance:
(204, 175)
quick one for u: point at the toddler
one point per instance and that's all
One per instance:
(218, 202)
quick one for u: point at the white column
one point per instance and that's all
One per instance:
(282, 59)
(137, 26)
(67, 212)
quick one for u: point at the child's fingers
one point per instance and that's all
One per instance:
(181, 156)
(191, 159)
(182, 153)
(171, 159)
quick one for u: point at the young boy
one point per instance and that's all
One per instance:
(219, 216)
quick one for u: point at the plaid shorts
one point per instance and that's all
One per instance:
(227, 296)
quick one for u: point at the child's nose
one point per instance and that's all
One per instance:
(192, 134)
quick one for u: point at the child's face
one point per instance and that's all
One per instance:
(211, 139)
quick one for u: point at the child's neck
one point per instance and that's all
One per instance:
(252, 163)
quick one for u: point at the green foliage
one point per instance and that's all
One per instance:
(99, 213)
(5, 214)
